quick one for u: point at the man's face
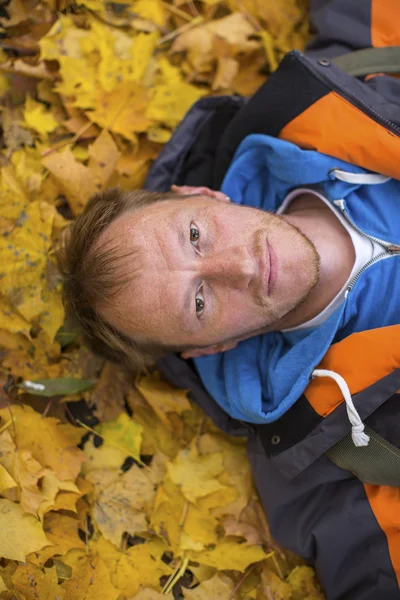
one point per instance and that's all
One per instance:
(205, 271)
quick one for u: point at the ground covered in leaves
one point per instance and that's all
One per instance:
(115, 487)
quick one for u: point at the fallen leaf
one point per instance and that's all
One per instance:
(90, 581)
(51, 448)
(162, 397)
(20, 534)
(124, 434)
(38, 118)
(33, 582)
(122, 505)
(225, 555)
(218, 588)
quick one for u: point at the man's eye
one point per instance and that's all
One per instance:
(199, 304)
(194, 234)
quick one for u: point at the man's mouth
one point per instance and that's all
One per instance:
(266, 268)
(272, 269)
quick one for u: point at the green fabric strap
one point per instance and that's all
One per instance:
(370, 60)
(378, 463)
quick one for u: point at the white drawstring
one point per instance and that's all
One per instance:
(359, 437)
(362, 178)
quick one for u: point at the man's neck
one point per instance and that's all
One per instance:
(335, 248)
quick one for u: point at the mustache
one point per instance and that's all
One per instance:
(260, 239)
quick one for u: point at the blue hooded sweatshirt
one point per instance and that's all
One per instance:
(260, 379)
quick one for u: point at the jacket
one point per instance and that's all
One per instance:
(350, 531)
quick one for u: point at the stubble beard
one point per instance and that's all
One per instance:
(276, 314)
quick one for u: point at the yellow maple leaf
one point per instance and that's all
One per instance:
(51, 448)
(162, 397)
(152, 10)
(90, 581)
(29, 171)
(124, 433)
(104, 457)
(25, 263)
(195, 474)
(304, 583)
(13, 198)
(39, 118)
(171, 97)
(62, 531)
(78, 81)
(229, 555)
(33, 582)
(20, 534)
(6, 481)
(124, 110)
(63, 38)
(103, 159)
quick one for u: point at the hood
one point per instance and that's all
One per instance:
(260, 379)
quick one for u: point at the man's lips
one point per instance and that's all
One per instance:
(273, 270)
(269, 269)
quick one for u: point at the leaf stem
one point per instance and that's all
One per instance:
(173, 34)
(246, 574)
(176, 11)
(6, 425)
(175, 576)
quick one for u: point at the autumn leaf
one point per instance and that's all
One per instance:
(20, 533)
(33, 582)
(51, 448)
(226, 555)
(90, 581)
(195, 474)
(88, 100)
(162, 397)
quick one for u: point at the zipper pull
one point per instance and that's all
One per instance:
(393, 249)
(340, 203)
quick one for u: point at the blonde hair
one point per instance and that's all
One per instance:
(89, 275)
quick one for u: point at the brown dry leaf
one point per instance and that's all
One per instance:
(122, 505)
(219, 587)
(227, 70)
(15, 136)
(108, 397)
(75, 179)
(245, 530)
(103, 158)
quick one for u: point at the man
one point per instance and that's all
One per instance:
(266, 269)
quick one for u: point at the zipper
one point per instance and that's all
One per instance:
(348, 95)
(390, 249)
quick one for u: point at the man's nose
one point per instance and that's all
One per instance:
(234, 267)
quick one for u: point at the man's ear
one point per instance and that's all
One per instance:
(188, 190)
(215, 349)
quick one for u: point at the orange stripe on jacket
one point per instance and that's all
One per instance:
(385, 23)
(362, 359)
(334, 126)
(385, 504)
